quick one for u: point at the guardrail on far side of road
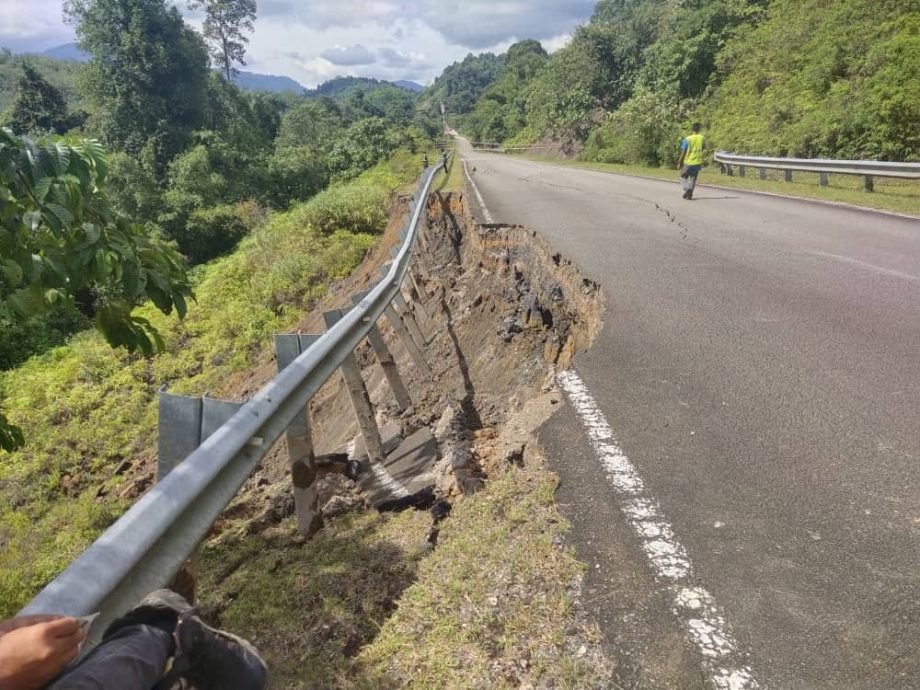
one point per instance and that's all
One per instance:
(824, 167)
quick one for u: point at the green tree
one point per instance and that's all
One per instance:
(360, 147)
(59, 237)
(147, 75)
(224, 23)
(37, 106)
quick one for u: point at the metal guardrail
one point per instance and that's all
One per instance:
(150, 543)
(868, 169)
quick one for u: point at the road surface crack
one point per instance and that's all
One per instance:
(685, 231)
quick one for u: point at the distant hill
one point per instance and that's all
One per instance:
(342, 87)
(267, 82)
(409, 86)
(68, 51)
(250, 81)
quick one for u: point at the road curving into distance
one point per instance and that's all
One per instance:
(759, 369)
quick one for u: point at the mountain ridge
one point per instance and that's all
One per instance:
(251, 81)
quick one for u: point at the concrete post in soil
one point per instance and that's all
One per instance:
(787, 175)
(763, 173)
(403, 333)
(299, 437)
(411, 323)
(360, 400)
(824, 179)
(420, 295)
(870, 183)
(406, 313)
(184, 424)
(387, 363)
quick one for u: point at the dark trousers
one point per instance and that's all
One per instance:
(688, 177)
(134, 658)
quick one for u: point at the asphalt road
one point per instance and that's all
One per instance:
(760, 366)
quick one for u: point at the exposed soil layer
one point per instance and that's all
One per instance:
(501, 312)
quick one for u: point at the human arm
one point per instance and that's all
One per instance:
(684, 145)
(32, 653)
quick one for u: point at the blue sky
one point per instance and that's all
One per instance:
(316, 40)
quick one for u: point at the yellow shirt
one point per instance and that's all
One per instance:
(694, 150)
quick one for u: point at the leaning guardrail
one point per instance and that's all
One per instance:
(868, 169)
(152, 541)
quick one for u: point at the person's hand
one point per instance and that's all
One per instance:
(25, 621)
(33, 654)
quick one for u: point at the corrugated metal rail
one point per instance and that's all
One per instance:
(868, 169)
(148, 545)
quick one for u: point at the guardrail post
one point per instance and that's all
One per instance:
(387, 363)
(870, 183)
(299, 436)
(360, 399)
(396, 323)
(184, 424)
(823, 179)
(787, 175)
(763, 173)
(741, 171)
(406, 313)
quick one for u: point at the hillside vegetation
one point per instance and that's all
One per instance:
(822, 78)
(85, 407)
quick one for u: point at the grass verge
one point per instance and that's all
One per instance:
(900, 196)
(493, 606)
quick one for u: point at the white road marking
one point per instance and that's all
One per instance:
(694, 606)
(482, 204)
(866, 266)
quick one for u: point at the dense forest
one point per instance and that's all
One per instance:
(119, 174)
(823, 78)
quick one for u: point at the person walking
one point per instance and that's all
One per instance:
(691, 160)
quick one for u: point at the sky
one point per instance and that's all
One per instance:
(313, 41)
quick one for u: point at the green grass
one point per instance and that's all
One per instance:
(364, 606)
(901, 196)
(454, 180)
(85, 408)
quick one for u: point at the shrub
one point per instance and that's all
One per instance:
(645, 131)
(211, 232)
(355, 208)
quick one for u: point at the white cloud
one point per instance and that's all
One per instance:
(27, 25)
(349, 56)
(387, 39)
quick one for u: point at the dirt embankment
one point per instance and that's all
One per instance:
(373, 600)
